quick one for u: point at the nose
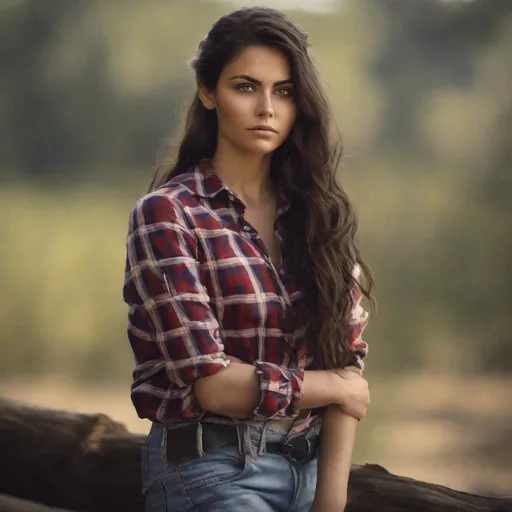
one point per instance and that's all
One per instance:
(265, 108)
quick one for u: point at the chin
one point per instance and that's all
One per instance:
(260, 147)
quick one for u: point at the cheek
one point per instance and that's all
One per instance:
(233, 110)
(289, 115)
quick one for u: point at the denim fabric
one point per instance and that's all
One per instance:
(229, 478)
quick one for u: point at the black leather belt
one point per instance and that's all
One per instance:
(181, 443)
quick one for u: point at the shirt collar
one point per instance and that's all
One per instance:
(203, 181)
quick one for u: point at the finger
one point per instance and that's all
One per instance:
(354, 415)
(354, 369)
(350, 412)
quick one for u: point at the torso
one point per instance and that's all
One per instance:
(233, 265)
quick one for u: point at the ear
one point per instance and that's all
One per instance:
(206, 96)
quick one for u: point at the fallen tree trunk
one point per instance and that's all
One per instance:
(84, 462)
(372, 488)
(90, 463)
(12, 504)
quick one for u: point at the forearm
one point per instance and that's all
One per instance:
(235, 391)
(338, 436)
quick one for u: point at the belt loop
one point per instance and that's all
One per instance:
(247, 441)
(163, 444)
(240, 439)
(262, 448)
(199, 440)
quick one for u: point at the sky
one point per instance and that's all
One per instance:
(308, 5)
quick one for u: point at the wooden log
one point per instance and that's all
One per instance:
(84, 462)
(372, 487)
(90, 463)
(12, 504)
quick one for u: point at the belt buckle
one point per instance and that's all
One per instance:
(298, 449)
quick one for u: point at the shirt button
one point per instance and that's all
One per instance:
(247, 228)
(231, 197)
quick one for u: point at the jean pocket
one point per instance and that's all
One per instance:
(219, 466)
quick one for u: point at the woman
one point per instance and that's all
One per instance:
(244, 303)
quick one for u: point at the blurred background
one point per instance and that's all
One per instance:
(89, 92)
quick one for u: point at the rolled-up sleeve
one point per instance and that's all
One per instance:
(280, 390)
(172, 329)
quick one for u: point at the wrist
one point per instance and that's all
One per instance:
(329, 496)
(338, 387)
(325, 504)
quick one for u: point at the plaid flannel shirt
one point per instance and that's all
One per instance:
(200, 285)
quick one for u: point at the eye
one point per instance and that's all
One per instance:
(245, 87)
(284, 92)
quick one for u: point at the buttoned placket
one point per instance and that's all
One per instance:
(284, 296)
(249, 230)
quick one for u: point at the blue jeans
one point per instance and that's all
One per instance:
(230, 478)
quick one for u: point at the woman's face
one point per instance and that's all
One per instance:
(254, 90)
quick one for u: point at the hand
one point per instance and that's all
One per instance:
(354, 394)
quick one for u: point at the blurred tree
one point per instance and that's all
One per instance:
(89, 84)
(37, 132)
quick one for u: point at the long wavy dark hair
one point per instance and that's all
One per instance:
(319, 228)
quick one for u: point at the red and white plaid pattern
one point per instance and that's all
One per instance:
(201, 285)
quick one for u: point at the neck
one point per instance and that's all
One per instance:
(245, 174)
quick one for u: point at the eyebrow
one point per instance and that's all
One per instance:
(258, 82)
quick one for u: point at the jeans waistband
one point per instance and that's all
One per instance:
(252, 437)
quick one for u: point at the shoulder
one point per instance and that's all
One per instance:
(181, 188)
(168, 202)
(157, 205)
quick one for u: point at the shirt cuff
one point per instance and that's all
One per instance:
(281, 389)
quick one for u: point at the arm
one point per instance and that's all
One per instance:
(338, 436)
(171, 326)
(235, 391)
(339, 429)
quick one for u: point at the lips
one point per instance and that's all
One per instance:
(263, 128)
